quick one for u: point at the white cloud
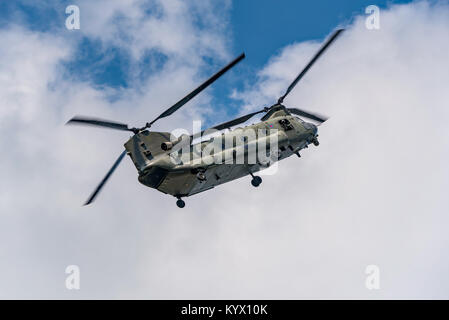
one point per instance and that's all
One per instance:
(373, 192)
(171, 27)
(375, 188)
(49, 169)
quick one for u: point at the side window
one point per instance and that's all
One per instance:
(285, 124)
(148, 154)
(146, 151)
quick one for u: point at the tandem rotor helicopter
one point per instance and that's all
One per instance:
(152, 152)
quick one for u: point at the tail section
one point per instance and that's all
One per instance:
(144, 146)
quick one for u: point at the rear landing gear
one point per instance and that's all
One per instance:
(256, 180)
(180, 203)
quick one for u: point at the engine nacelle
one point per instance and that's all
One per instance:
(166, 145)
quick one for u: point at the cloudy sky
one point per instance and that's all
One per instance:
(373, 193)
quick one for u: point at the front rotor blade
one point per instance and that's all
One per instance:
(233, 122)
(105, 179)
(99, 123)
(314, 59)
(306, 114)
(192, 94)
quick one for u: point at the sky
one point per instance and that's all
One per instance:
(373, 192)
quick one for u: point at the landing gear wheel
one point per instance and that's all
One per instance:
(180, 203)
(256, 181)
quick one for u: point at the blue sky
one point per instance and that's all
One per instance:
(262, 28)
(258, 28)
(360, 198)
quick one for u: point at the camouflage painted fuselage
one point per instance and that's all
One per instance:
(157, 168)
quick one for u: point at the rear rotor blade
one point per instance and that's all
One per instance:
(307, 114)
(105, 179)
(192, 94)
(99, 123)
(309, 65)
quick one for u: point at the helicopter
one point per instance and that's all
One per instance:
(175, 165)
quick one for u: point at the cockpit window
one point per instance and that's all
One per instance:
(307, 125)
